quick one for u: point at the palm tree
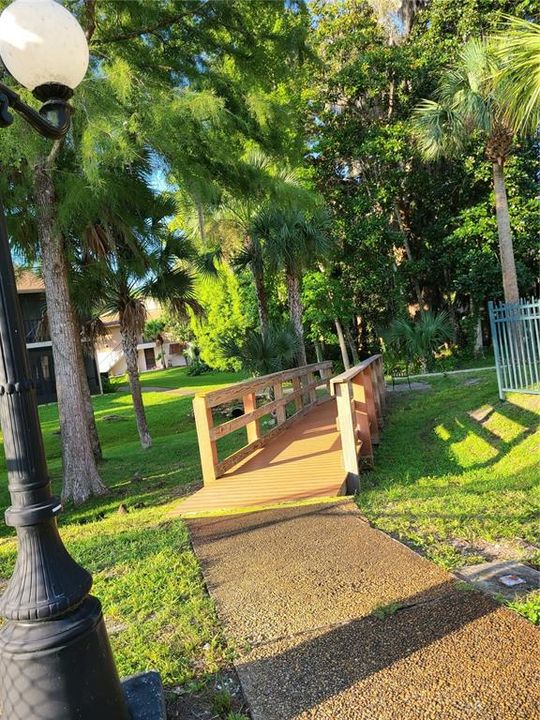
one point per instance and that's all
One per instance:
(518, 80)
(263, 352)
(229, 219)
(293, 241)
(161, 268)
(418, 340)
(469, 102)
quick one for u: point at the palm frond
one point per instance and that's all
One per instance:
(291, 238)
(466, 102)
(518, 79)
(262, 353)
(438, 130)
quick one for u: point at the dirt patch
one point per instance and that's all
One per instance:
(221, 696)
(500, 550)
(481, 414)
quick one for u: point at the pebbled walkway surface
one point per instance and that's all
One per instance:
(335, 620)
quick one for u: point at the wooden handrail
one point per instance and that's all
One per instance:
(348, 375)
(361, 397)
(303, 394)
(237, 391)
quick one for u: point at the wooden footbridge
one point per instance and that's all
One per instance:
(293, 435)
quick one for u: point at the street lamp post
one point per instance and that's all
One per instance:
(55, 659)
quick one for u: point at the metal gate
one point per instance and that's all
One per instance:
(515, 329)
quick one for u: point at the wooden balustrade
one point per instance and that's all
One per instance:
(303, 393)
(361, 397)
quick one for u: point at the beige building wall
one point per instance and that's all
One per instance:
(110, 356)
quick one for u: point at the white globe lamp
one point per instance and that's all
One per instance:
(44, 48)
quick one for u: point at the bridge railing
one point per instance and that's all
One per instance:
(261, 396)
(361, 397)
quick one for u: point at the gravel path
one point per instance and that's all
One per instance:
(335, 620)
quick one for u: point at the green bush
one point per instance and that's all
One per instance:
(106, 384)
(198, 368)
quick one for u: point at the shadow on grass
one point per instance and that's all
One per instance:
(410, 438)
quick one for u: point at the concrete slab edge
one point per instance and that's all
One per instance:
(144, 696)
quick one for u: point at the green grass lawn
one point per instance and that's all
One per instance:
(174, 628)
(441, 477)
(178, 378)
(457, 473)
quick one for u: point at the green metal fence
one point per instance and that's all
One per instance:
(515, 329)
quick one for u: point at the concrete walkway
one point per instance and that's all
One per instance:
(334, 620)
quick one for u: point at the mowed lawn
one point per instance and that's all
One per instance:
(174, 378)
(457, 474)
(442, 477)
(145, 573)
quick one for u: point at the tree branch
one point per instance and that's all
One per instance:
(132, 34)
(89, 18)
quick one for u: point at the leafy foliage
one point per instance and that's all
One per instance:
(264, 352)
(518, 79)
(418, 340)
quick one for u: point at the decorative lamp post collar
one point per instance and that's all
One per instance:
(55, 659)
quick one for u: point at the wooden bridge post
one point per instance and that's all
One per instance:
(253, 428)
(371, 406)
(381, 381)
(362, 418)
(297, 387)
(374, 377)
(326, 376)
(281, 410)
(312, 388)
(204, 421)
(347, 429)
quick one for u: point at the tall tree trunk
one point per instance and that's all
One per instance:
(400, 214)
(262, 299)
(478, 338)
(81, 477)
(129, 345)
(342, 345)
(506, 246)
(296, 312)
(318, 351)
(89, 409)
(352, 345)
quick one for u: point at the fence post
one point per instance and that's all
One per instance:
(204, 422)
(496, 348)
(253, 428)
(347, 429)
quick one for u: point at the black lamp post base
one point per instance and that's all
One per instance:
(144, 695)
(60, 669)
